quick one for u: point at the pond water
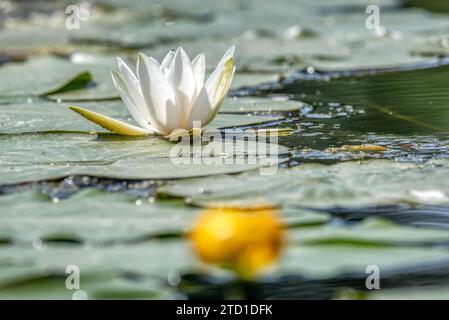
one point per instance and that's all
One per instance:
(363, 178)
(403, 108)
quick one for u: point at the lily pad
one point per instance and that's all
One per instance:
(414, 293)
(371, 232)
(37, 115)
(33, 39)
(90, 216)
(50, 156)
(78, 78)
(38, 76)
(26, 269)
(330, 261)
(104, 218)
(80, 81)
(260, 105)
(107, 285)
(271, 37)
(347, 185)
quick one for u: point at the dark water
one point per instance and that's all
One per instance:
(396, 100)
(405, 109)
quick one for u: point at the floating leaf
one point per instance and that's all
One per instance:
(36, 115)
(104, 218)
(330, 261)
(347, 185)
(50, 156)
(44, 75)
(371, 232)
(260, 105)
(80, 81)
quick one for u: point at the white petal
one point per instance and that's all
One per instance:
(201, 110)
(159, 96)
(217, 73)
(199, 70)
(155, 61)
(211, 97)
(219, 82)
(228, 54)
(111, 124)
(166, 63)
(183, 82)
(124, 93)
(133, 87)
(230, 80)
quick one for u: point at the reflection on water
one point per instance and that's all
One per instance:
(405, 109)
(401, 100)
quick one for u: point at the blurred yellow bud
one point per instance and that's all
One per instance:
(244, 240)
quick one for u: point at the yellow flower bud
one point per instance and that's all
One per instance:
(244, 240)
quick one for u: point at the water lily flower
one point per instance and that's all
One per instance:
(163, 97)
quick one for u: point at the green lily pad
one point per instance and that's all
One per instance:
(37, 115)
(38, 76)
(242, 79)
(329, 261)
(80, 81)
(90, 216)
(303, 218)
(79, 78)
(26, 269)
(106, 285)
(32, 39)
(372, 232)
(103, 218)
(348, 185)
(50, 156)
(413, 293)
(272, 38)
(259, 105)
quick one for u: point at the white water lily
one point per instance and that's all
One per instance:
(163, 97)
